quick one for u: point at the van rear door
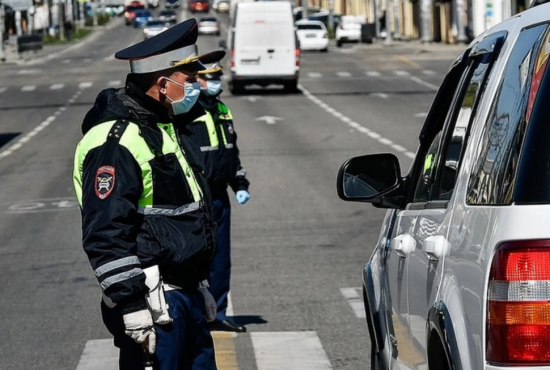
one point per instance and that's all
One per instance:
(265, 44)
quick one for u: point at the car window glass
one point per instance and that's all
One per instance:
(493, 172)
(427, 171)
(458, 128)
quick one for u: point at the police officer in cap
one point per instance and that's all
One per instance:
(218, 141)
(146, 210)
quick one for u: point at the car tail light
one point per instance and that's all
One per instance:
(232, 58)
(297, 53)
(518, 312)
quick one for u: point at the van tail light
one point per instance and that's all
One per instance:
(232, 58)
(297, 53)
(518, 311)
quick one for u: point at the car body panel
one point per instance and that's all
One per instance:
(314, 36)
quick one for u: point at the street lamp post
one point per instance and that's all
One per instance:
(2, 25)
(388, 23)
(425, 16)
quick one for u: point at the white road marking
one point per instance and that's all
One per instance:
(289, 350)
(427, 72)
(352, 123)
(379, 95)
(315, 75)
(424, 83)
(3, 89)
(115, 83)
(85, 85)
(109, 58)
(87, 60)
(401, 73)
(57, 86)
(66, 61)
(99, 354)
(373, 73)
(229, 310)
(355, 300)
(29, 71)
(421, 115)
(28, 88)
(343, 74)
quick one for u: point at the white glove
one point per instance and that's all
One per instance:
(209, 304)
(139, 327)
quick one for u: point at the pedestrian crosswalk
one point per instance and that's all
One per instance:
(272, 350)
(373, 74)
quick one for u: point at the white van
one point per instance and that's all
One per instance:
(264, 47)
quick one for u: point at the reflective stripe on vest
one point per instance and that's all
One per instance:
(140, 150)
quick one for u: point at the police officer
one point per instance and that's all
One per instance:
(218, 140)
(146, 218)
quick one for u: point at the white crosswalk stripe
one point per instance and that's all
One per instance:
(114, 83)
(3, 89)
(85, 85)
(87, 60)
(315, 75)
(109, 58)
(353, 296)
(373, 73)
(289, 350)
(66, 61)
(57, 86)
(343, 74)
(429, 73)
(401, 73)
(28, 88)
(99, 354)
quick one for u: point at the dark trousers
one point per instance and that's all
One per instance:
(185, 344)
(220, 270)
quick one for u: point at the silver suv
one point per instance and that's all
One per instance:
(460, 277)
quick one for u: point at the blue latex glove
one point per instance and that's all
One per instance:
(242, 196)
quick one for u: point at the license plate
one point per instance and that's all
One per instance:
(250, 62)
(310, 35)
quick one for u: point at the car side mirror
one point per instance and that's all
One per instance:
(368, 178)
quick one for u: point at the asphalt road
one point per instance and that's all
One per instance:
(297, 248)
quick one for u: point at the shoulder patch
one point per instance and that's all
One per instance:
(105, 181)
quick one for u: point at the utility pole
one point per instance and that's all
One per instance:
(460, 24)
(2, 25)
(376, 19)
(396, 19)
(425, 20)
(81, 14)
(331, 14)
(305, 4)
(94, 11)
(388, 23)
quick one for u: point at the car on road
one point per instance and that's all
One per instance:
(168, 4)
(349, 29)
(152, 4)
(142, 17)
(324, 16)
(221, 6)
(209, 26)
(312, 35)
(459, 275)
(154, 27)
(130, 12)
(264, 48)
(198, 6)
(298, 11)
(169, 16)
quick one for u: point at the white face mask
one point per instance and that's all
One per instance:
(192, 92)
(213, 87)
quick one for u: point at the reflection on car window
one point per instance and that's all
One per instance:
(356, 187)
(427, 173)
(493, 174)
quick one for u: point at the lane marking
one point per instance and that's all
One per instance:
(114, 83)
(66, 61)
(315, 75)
(421, 115)
(109, 58)
(3, 89)
(373, 73)
(351, 123)
(380, 95)
(29, 71)
(229, 310)
(429, 73)
(99, 354)
(85, 85)
(28, 88)
(401, 73)
(343, 74)
(424, 83)
(407, 61)
(87, 60)
(57, 86)
(224, 344)
(289, 350)
(355, 300)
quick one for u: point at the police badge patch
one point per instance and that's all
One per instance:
(105, 181)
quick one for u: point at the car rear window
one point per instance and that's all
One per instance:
(208, 19)
(309, 27)
(134, 8)
(494, 176)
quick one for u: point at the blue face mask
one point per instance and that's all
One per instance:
(192, 92)
(213, 87)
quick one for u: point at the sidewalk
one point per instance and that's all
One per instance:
(51, 51)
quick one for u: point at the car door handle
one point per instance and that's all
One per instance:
(435, 247)
(403, 245)
(270, 50)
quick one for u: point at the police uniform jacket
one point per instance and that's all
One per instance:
(217, 138)
(143, 195)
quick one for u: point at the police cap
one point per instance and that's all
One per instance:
(214, 70)
(172, 48)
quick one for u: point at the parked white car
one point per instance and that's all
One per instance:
(460, 275)
(312, 35)
(349, 29)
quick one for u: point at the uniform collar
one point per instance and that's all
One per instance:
(157, 110)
